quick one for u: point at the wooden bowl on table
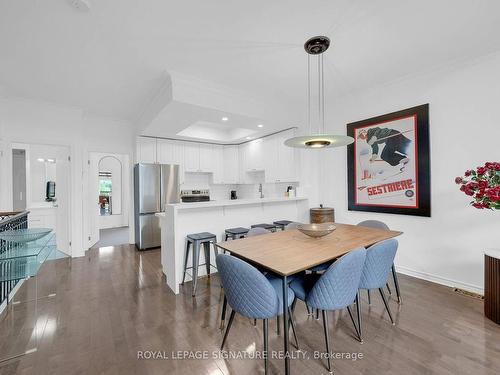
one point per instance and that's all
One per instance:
(317, 230)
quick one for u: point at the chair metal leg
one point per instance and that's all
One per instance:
(317, 314)
(186, 256)
(255, 322)
(223, 315)
(396, 284)
(388, 288)
(327, 339)
(265, 324)
(196, 262)
(369, 297)
(206, 249)
(231, 318)
(278, 325)
(358, 311)
(226, 237)
(384, 298)
(308, 310)
(354, 323)
(292, 324)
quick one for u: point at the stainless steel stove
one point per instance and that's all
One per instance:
(188, 196)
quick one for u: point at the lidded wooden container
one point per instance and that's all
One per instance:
(322, 215)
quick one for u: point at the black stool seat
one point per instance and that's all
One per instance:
(271, 227)
(282, 222)
(237, 230)
(201, 236)
(235, 233)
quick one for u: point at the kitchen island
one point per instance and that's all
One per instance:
(181, 219)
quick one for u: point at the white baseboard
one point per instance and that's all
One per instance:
(440, 280)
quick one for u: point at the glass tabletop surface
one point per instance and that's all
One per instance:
(28, 249)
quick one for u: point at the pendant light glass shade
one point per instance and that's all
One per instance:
(319, 141)
(316, 46)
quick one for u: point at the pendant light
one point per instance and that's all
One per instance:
(315, 47)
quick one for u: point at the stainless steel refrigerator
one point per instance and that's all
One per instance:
(155, 185)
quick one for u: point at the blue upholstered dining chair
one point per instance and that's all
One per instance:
(376, 224)
(251, 294)
(336, 289)
(379, 259)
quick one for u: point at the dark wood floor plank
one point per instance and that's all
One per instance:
(114, 302)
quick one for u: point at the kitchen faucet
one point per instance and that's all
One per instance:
(260, 191)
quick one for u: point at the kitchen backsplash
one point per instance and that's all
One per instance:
(243, 191)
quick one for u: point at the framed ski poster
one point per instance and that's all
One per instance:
(389, 163)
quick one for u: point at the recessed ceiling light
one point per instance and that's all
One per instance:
(40, 160)
(225, 118)
(249, 138)
(260, 126)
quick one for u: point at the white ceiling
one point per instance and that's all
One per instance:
(110, 60)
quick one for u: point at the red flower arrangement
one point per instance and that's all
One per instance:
(483, 185)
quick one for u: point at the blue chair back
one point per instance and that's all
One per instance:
(375, 224)
(338, 286)
(378, 265)
(247, 290)
(257, 231)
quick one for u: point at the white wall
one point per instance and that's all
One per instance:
(464, 133)
(30, 121)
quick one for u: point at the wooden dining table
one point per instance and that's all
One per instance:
(289, 252)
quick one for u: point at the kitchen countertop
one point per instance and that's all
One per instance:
(235, 202)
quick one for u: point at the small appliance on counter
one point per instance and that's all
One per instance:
(290, 192)
(189, 196)
(233, 195)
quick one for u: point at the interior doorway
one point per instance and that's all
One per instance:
(41, 176)
(108, 199)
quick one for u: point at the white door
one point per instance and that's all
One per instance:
(63, 211)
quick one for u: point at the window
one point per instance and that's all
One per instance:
(106, 193)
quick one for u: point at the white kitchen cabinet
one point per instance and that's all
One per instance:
(254, 156)
(171, 152)
(231, 165)
(207, 158)
(282, 160)
(199, 157)
(218, 165)
(146, 150)
(287, 158)
(191, 157)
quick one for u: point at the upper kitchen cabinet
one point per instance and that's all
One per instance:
(208, 162)
(199, 157)
(281, 165)
(146, 150)
(254, 156)
(171, 152)
(191, 157)
(231, 165)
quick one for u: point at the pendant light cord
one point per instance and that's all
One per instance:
(322, 94)
(309, 93)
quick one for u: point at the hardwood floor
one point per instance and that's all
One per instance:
(114, 302)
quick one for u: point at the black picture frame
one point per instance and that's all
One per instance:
(421, 185)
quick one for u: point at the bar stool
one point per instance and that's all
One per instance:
(282, 223)
(196, 240)
(269, 227)
(234, 233)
